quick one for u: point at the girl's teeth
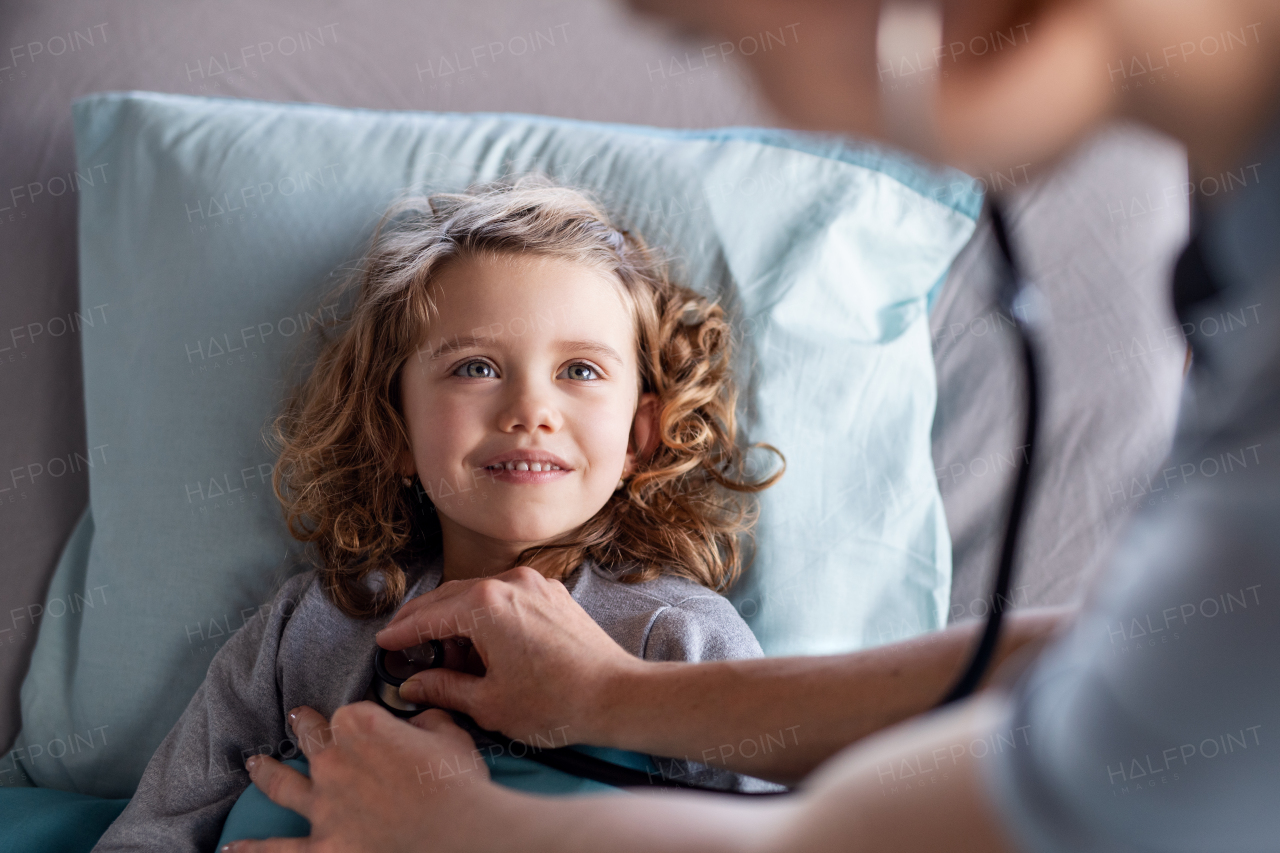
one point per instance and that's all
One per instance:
(525, 466)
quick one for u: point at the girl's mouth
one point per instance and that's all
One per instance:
(524, 466)
(525, 472)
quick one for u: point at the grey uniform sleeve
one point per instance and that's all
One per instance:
(1153, 726)
(197, 773)
(704, 627)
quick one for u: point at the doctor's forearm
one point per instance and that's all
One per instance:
(849, 805)
(778, 718)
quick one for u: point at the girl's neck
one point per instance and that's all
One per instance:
(468, 555)
(459, 568)
(467, 569)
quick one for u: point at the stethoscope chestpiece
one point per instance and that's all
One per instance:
(393, 668)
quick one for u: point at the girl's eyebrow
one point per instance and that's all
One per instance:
(602, 350)
(457, 344)
(464, 342)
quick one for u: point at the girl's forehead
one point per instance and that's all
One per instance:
(527, 300)
(442, 347)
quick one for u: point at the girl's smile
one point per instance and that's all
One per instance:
(527, 466)
(527, 474)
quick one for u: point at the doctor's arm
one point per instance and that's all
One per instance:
(377, 784)
(550, 668)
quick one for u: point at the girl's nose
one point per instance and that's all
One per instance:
(530, 405)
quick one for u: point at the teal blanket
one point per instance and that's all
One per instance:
(46, 820)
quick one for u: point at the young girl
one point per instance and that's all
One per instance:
(517, 383)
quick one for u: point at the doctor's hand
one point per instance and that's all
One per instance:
(548, 665)
(377, 784)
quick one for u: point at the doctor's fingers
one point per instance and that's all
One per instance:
(272, 845)
(512, 707)
(283, 785)
(312, 731)
(401, 625)
(277, 845)
(472, 608)
(446, 688)
(408, 627)
(449, 736)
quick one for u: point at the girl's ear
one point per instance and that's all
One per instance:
(644, 430)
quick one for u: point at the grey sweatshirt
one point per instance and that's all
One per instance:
(302, 650)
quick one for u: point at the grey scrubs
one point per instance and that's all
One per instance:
(1155, 725)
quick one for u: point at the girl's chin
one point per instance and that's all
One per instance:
(517, 524)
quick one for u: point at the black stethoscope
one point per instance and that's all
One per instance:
(392, 669)
(1023, 304)
(1015, 298)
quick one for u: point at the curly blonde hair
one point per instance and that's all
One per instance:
(342, 429)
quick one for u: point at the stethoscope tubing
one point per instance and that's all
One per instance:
(1013, 298)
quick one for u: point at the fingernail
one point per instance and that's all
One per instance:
(251, 762)
(293, 715)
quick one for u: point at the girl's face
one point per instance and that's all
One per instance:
(531, 362)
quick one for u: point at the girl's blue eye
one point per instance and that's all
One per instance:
(580, 366)
(467, 372)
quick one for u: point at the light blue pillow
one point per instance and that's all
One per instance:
(217, 223)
